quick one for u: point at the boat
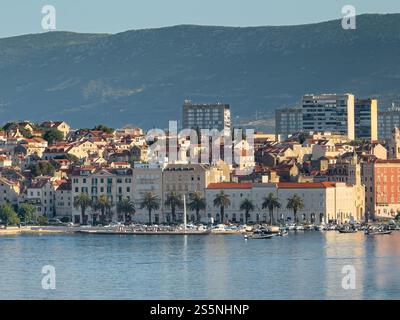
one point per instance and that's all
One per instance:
(347, 230)
(299, 228)
(257, 236)
(283, 233)
(290, 226)
(377, 232)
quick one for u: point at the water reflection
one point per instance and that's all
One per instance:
(343, 250)
(305, 265)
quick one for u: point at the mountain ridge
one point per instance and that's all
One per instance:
(143, 76)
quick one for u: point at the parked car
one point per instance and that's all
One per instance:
(55, 222)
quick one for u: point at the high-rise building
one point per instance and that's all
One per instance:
(206, 116)
(329, 113)
(288, 121)
(366, 119)
(387, 121)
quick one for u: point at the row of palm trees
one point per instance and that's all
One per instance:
(270, 202)
(151, 202)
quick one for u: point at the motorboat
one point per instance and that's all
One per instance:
(347, 229)
(377, 231)
(259, 234)
(283, 233)
(299, 228)
(290, 226)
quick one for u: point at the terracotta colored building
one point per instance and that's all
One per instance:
(382, 188)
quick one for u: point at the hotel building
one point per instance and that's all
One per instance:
(323, 201)
(206, 116)
(366, 119)
(329, 113)
(387, 121)
(287, 122)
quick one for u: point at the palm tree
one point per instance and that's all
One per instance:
(222, 201)
(174, 200)
(126, 207)
(103, 204)
(83, 201)
(247, 206)
(197, 203)
(151, 202)
(295, 203)
(271, 202)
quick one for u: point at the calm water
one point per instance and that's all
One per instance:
(299, 266)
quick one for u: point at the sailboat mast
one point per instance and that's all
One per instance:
(184, 212)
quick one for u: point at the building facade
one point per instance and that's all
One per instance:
(115, 184)
(329, 112)
(206, 116)
(185, 179)
(323, 202)
(382, 188)
(287, 122)
(366, 119)
(147, 178)
(387, 121)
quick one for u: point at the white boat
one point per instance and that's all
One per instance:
(299, 228)
(291, 226)
(283, 233)
(259, 235)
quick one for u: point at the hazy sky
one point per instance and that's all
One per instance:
(24, 16)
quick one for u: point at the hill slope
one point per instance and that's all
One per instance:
(143, 76)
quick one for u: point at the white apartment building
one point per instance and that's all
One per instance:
(185, 179)
(323, 202)
(147, 178)
(116, 184)
(9, 191)
(63, 200)
(41, 193)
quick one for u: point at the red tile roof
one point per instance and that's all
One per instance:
(230, 185)
(306, 185)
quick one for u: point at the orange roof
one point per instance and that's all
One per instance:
(394, 161)
(306, 185)
(229, 185)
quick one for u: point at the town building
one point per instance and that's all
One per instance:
(366, 119)
(116, 184)
(382, 188)
(206, 116)
(9, 191)
(40, 192)
(329, 112)
(324, 202)
(147, 178)
(63, 199)
(387, 121)
(185, 179)
(57, 125)
(287, 122)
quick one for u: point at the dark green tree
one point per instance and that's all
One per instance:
(8, 216)
(53, 135)
(26, 212)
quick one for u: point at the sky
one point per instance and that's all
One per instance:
(112, 16)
